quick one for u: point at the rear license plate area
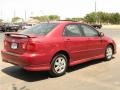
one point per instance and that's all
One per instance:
(14, 45)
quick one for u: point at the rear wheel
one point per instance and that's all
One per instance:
(58, 65)
(108, 53)
(16, 30)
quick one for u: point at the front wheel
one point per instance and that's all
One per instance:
(58, 65)
(108, 53)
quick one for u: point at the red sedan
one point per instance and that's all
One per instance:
(56, 45)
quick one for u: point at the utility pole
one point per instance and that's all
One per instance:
(14, 13)
(25, 15)
(95, 12)
(95, 6)
(32, 14)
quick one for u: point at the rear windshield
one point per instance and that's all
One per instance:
(40, 29)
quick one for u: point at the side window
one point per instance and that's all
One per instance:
(72, 30)
(88, 31)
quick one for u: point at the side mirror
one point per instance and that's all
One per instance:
(101, 34)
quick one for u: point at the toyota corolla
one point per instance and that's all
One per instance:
(55, 46)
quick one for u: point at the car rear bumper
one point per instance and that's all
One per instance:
(25, 61)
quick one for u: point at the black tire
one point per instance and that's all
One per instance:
(55, 73)
(109, 49)
(16, 30)
(3, 30)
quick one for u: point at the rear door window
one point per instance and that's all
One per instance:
(72, 30)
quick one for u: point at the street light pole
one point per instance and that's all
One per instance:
(25, 15)
(95, 12)
(95, 6)
(14, 13)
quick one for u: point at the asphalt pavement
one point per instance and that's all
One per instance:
(93, 75)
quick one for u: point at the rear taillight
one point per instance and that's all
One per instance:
(5, 42)
(31, 47)
(23, 46)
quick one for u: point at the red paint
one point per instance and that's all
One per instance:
(36, 52)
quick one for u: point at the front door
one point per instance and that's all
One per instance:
(94, 42)
(75, 42)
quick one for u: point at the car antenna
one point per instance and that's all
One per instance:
(46, 17)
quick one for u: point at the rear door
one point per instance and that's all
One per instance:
(94, 41)
(75, 42)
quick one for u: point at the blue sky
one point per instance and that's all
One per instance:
(64, 8)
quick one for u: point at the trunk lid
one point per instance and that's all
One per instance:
(16, 43)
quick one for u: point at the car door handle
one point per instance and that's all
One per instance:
(88, 38)
(67, 39)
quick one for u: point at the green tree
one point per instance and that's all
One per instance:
(102, 17)
(68, 19)
(1, 20)
(41, 18)
(91, 17)
(15, 19)
(46, 18)
(53, 17)
(115, 18)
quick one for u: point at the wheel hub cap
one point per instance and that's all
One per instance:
(109, 53)
(60, 65)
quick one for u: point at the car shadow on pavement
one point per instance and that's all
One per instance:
(86, 64)
(22, 74)
(30, 76)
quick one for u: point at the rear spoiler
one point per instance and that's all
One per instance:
(18, 35)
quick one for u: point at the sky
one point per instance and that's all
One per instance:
(63, 8)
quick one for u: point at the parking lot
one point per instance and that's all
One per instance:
(93, 75)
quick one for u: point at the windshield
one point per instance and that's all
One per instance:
(40, 29)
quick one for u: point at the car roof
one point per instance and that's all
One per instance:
(63, 22)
